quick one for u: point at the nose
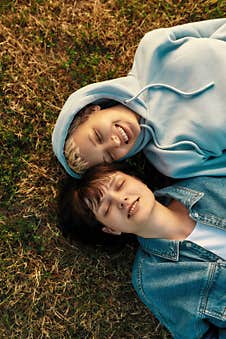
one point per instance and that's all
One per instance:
(123, 202)
(115, 141)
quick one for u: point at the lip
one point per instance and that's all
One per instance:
(133, 208)
(127, 132)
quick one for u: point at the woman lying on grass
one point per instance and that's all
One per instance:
(171, 106)
(180, 268)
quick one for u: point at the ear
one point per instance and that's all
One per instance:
(96, 108)
(110, 231)
(92, 108)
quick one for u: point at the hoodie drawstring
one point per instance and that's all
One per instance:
(171, 88)
(151, 132)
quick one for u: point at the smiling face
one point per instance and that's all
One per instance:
(107, 135)
(125, 205)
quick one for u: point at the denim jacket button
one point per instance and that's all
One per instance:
(219, 260)
(188, 244)
(196, 215)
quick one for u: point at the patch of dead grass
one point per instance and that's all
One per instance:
(48, 49)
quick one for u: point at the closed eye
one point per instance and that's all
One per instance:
(120, 184)
(98, 136)
(106, 212)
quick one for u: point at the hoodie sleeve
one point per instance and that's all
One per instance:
(215, 29)
(158, 43)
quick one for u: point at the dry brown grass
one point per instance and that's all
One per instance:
(48, 49)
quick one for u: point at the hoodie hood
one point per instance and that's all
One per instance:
(102, 93)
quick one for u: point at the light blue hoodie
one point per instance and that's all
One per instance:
(177, 85)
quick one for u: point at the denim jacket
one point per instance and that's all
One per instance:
(183, 284)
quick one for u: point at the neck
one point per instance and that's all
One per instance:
(172, 222)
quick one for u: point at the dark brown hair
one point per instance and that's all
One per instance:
(76, 219)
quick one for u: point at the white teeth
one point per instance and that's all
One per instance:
(123, 134)
(132, 208)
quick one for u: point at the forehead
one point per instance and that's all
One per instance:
(106, 115)
(101, 185)
(94, 192)
(95, 117)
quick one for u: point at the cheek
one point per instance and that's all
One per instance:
(106, 221)
(120, 152)
(112, 221)
(105, 124)
(117, 222)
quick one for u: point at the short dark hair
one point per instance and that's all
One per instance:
(76, 219)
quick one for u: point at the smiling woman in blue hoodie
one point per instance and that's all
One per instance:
(171, 105)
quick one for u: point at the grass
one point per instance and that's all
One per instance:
(48, 49)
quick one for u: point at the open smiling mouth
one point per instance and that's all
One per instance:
(133, 208)
(123, 134)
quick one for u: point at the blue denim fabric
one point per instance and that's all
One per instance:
(183, 284)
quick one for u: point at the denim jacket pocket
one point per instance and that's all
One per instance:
(213, 299)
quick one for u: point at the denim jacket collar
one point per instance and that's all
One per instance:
(169, 249)
(185, 195)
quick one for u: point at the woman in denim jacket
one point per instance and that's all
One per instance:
(180, 267)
